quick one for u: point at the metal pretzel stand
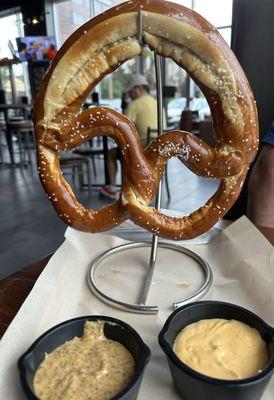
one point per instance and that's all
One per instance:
(140, 306)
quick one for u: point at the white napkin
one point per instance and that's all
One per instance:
(241, 260)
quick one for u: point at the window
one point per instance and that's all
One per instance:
(68, 16)
(186, 3)
(81, 2)
(77, 19)
(226, 34)
(113, 85)
(217, 12)
(11, 28)
(101, 5)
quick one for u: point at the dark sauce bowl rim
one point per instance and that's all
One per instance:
(144, 355)
(166, 347)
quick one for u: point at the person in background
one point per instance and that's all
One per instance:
(260, 204)
(50, 52)
(124, 102)
(36, 51)
(142, 111)
(24, 52)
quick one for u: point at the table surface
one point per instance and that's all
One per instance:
(15, 106)
(15, 288)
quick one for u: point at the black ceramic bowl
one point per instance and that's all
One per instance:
(114, 329)
(192, 385)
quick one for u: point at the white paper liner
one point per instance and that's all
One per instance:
(241, 260)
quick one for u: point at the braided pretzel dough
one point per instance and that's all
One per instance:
(99, 47)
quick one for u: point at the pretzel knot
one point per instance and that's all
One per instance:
(99, 47)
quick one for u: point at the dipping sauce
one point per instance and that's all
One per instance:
(223, 349)
(90, 367)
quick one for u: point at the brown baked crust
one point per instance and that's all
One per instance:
(98, 48)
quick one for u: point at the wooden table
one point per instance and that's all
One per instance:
(15, 288)
(15, 106)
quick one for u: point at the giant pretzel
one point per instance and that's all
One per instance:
(98, 48)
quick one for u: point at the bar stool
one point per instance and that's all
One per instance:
(24, 133)
(79, 166)
(3, 143)
(92, 149)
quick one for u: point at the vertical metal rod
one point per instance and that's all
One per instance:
(188, 80)
(187, 93)
(145, 290)
(140, 63)
(13, 86)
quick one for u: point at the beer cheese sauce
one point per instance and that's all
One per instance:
(90, 367)
(223, 349)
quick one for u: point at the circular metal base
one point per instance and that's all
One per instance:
(142, 308)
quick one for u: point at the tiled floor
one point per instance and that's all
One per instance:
(30, 228)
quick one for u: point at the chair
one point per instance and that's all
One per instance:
(151, 134)
(189, 121)
(3, 144)
(93, 149)
(206, 132)
(79, 166)
(23, 131)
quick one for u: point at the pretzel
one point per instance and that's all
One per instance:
(98, 48)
